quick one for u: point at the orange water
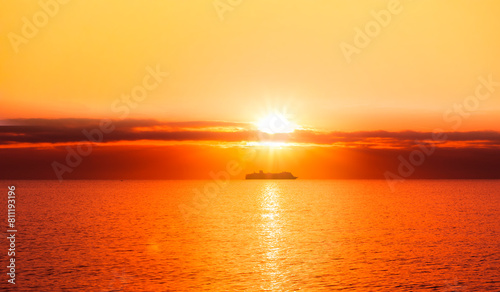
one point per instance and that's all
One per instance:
(257, 236)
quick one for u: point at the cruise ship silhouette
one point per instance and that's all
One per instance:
(262, 175)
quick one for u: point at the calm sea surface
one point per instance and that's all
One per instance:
(303, 235)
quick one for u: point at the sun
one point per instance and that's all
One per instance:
(276, 123)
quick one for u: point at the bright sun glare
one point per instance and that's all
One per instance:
(276, 123)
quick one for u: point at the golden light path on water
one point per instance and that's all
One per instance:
(270, 234)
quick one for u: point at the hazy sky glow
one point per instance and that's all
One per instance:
(185, 86)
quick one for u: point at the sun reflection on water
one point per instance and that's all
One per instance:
(271, 230)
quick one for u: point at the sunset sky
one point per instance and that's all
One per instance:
(184, 87)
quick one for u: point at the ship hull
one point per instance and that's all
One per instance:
(285, 175)
(271, 178)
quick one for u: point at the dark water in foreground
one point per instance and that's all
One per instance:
(256, 236)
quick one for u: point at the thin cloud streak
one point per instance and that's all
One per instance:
(70, 131)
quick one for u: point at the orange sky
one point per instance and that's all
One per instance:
(422, 68)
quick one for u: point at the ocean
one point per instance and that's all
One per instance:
(262, 235)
